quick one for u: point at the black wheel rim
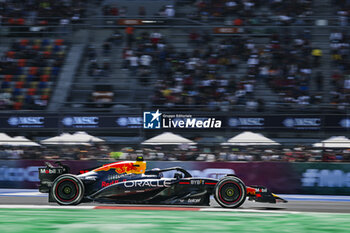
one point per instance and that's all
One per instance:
(67, 190)
(230, 192)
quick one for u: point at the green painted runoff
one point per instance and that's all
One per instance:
(132, 221)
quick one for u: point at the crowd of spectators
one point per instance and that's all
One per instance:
(41, 12)
(204, 73)
(203, 76)
(192, 77)
(123, 11)
(99, 66)
(298, 153)
(27, 71)
(56, 153)
(340, 79)
(248, 12)
(286, 64)
(99, 59)
(113, 10)
(342, 11)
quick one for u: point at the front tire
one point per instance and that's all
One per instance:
(68, 189)
(230, 192)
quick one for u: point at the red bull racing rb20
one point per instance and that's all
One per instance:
(128, 182)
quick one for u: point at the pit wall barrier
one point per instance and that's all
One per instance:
(279, 177)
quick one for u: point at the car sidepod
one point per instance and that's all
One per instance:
(146, 190)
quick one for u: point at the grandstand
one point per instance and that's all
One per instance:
(29, 70)
(243, 68)
(222, 55)
(105, 59)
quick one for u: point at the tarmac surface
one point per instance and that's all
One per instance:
(312, 205)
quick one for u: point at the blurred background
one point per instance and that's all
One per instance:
(277, 68)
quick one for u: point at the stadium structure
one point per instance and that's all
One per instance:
(279, 68)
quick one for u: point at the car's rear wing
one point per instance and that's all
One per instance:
(49, 173)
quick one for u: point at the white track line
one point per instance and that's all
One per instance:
(314, 197)
(249, 211)
(45, 207)
(267, 211)
(29, 194)
(18, 190)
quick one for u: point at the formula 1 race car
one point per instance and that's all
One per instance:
(128, 182)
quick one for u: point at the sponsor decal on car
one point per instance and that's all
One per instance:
(197, 182)
(50, 171)
(191, 200)
(105, 184)
(147, 183)
(253, 191)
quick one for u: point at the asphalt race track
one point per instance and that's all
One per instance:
(312, 205)
(302, 214)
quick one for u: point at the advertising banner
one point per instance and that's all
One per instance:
(227, 30)
(175, 121)
(36, 121)
(322, 178)
(290, 122)
(337, 122)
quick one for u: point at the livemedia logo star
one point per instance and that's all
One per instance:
(157, 120)
(151, 120)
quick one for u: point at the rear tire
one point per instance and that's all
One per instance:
(230, 192)
(68, 189)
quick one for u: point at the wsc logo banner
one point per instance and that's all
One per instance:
(152, 120)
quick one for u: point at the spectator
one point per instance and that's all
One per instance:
(123, 11)
(64, 23)
(317, 55)
(142, 11)
(155, 37)
(106, 48)
(114, 11)
(134, 64)
(252, 105)
(169, 11)
(116, 38)
(319, 81)
(145, 61)
(129, 36)
(238, 22)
